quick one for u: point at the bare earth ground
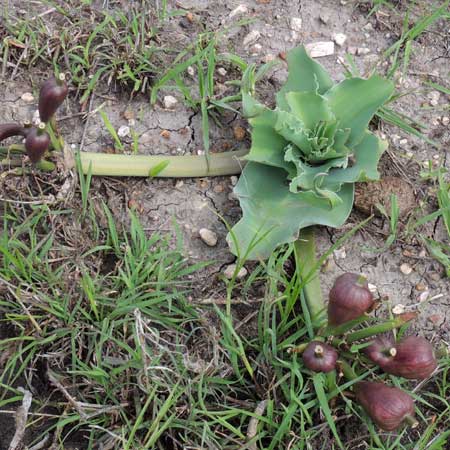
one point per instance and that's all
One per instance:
(196, 204)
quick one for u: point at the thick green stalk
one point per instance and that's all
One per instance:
(305, 251)
(228, 163)
(379, 328)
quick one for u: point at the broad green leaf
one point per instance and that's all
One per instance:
(293, 131)
(354, 102)
(305, 74)
(250, 106)
(310, 108)
(367, 155)
(267, 145)
(272, 215)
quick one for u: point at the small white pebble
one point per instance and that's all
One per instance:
(27, 97)
(403, 142)
(406, 269)
(269, 57)
(36, 120)
(200, 152)
(436, 157)
(179, 184)
(170, 102)
(123, 131)
(409, 154)
(433, 97)
(251, 38)
(372, 288)
(221, 71)
(422, 253)
(229, 272)
(234, 179)
(208, 237)
(191, 71)
(256, 49)
(340, 253)
(445, 120)
(424, 296)
(324, 18)
(339, 39)
(363, 51)
(368, 27)
(398, 309)
(296, 23)
(319, 49)
(241, 9)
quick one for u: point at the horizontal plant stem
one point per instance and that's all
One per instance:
(46, 166)
(119, 165)
(379, 328)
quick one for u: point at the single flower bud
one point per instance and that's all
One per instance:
(349, 299)
(387, 406)
(320, 357)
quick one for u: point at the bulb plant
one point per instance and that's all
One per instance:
(306, 155)
(347, 345)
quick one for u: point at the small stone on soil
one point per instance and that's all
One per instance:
(251, 38)
(433, 98)
(221, 71)
(165, 134)
(191, 71)
(324, 18)
(229, 272)
(27, 97)
(241, 9)
(339, 39)
(170, 102)
(234, 179)
(239, 133)
(420, 287)
(424, 296)
(363, 51)
(372, 288)
(208, 237)
(256, 49)
(406, 269)
(123, 131)
(398, 309)
(340, 253)
(296, 23)
(445, 120)
(320, 49)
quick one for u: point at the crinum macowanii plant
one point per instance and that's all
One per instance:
(306, 155)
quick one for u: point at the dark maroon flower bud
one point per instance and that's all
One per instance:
(412, 357)
(320, 357)
(349, 299)
(37, 143)
(387, 406)
(381, 350)
(52, 94)
(11, 129)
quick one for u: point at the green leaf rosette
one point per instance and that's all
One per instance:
(306, 155)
